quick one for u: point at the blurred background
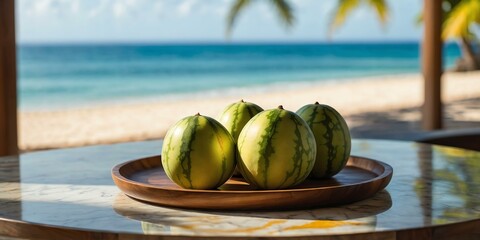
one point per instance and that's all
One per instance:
(92, 72)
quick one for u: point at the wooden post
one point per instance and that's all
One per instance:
(432, 64)
(8, 80)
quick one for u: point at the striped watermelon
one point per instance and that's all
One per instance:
(332, 137)
(198, 153)
(236, 115)
(276, 149)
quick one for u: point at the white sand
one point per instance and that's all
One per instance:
(140, 121)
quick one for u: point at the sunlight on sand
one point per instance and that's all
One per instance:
(141, 121)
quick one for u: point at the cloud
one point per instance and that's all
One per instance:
(45, 7)
(40, 7)
(98, 9)
(75, 6)
(204, 7)
(118, 9)
(185, 7)
(214, 7)
(122, 8)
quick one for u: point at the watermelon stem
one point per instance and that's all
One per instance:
(198, 114)
(316, 103)
(242, 101)
(280, 107)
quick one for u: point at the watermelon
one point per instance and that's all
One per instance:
(276, 149)
(236, 115)
(332, 137)
(198, 153)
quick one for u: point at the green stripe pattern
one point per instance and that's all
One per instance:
(198, 153)
(276, 150)
(236, 115)
(332, 137)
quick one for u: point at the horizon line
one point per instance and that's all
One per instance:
(216, 42)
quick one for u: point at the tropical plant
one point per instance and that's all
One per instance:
(285, 11)
(345, 7)
(459, 18)
(460, 174)
(283, 8)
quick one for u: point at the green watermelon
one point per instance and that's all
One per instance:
(332, 137)
(236, 115)
(198, 153)
(276, 149)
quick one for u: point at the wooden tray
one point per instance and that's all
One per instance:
(145, 180)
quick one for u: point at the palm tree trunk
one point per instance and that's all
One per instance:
(469, 62)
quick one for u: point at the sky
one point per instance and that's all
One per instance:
(172, 21)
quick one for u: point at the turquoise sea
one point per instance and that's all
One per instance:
(64, 76)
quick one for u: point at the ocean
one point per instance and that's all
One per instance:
(64, 76)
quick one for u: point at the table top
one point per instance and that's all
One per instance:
(69, 193)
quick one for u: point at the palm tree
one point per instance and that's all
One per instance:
(460, 17)
(283, 8)
(285, 11)
(345, 8)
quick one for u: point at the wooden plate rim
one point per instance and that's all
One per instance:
(386, 173)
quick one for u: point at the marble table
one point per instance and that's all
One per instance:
(69, 194)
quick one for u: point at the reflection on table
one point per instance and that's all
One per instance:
(361, 216)
(70, 192)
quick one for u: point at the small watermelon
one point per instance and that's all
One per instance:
(198, 153)
(236, 115)
(332, 137)
(276, 149)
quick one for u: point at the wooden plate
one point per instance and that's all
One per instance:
(144, 179)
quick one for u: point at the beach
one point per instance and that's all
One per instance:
(135, 121)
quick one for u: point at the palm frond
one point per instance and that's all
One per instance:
(381, 8)
(447, 6)
(345, 7)
(462, 16)
(235, 10)
(341, 12)
(284, 10)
